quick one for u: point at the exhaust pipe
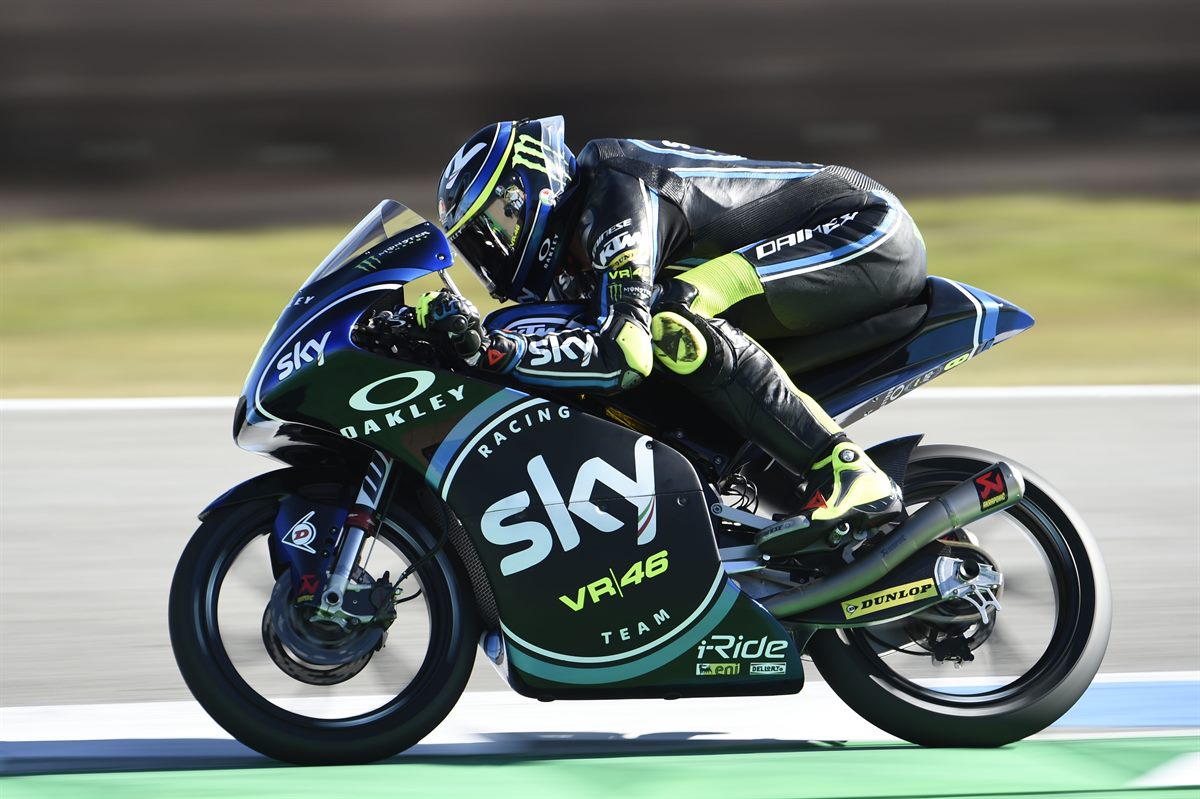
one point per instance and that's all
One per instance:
(997, 487)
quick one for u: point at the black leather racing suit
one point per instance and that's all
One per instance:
(777, 248)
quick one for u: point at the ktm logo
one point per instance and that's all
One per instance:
(536, 325)
(619, 244)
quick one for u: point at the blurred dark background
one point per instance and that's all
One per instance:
(226, 113)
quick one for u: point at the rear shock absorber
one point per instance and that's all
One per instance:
(360, 523)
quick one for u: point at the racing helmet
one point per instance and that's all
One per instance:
(494, 199)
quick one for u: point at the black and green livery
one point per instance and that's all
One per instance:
(602, 547)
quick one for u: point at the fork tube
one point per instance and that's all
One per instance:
(449, 281)
(360, 523)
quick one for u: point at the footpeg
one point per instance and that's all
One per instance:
(772, 540)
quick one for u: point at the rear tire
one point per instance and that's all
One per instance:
(851, 664)
(265, 726)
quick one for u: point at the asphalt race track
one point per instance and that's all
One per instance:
(97, 502)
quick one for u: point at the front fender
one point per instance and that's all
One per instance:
(281, 483)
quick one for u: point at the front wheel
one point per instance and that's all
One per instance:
(357, 712)
(1021, 669)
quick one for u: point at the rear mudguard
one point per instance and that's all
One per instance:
(281, 483)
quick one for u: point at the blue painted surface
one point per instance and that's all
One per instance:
(465, 428)
(1129, 704)
(1136, 704)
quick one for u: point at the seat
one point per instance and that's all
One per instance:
(805, 353)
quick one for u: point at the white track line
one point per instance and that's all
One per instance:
(482, 716)
(120, 404)
(1147, 676)
(1191, 391)
(1060, 392)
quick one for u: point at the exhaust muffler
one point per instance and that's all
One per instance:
(997, 487)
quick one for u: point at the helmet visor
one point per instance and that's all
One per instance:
(491, 241)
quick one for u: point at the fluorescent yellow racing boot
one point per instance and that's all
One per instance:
(743, 385)
(851, 493)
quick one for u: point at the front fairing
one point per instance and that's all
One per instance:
(495, 453)
(284, 409)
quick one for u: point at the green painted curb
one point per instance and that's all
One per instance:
(1096, 767)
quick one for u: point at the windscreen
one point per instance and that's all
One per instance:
(387, 219)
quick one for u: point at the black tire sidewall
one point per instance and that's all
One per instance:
(290, 737)
(863, 681)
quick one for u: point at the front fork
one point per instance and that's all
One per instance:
(363, 519)
(361, 523)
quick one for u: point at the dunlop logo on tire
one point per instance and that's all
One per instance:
(889, 598)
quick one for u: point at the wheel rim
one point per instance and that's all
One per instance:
(1038, 622)
(417, 648)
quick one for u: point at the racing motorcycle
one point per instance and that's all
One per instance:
(601, 548)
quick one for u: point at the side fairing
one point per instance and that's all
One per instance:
(597, 539)
(597, 542)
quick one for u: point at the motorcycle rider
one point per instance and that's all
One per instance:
(684, 254)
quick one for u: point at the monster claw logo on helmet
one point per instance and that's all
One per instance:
(494, 199)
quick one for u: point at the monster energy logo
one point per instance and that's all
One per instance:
(530, 152)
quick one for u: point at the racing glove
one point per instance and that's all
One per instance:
(393, 333)
(455, 320)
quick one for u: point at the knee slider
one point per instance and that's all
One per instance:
(678, 344)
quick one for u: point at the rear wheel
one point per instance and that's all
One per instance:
(1022, 668)
(230, 652)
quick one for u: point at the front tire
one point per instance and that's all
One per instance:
(216, 670)
(873, 674)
